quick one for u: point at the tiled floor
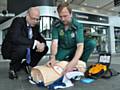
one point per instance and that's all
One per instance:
(22, 84)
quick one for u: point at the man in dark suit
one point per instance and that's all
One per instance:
(19, 42)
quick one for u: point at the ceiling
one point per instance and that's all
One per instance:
(106, 5)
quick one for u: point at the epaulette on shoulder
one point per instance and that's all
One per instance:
(56, 23)
(74, 26)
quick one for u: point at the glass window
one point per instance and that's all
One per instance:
(117, 39)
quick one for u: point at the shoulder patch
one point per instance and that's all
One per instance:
(56, 23)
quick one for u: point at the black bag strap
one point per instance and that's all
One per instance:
(110, 73)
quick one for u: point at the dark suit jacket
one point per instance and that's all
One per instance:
(16, 41)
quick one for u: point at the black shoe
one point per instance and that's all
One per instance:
(27, 69)
(12, 74)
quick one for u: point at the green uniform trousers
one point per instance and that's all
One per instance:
(89, 45)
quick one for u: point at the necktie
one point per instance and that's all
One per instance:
(28, 60)
(30, 34)
(28, 56)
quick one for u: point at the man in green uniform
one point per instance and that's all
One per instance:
(67, 39)
(89, 44)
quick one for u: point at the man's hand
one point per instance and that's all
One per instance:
(52, 61)
(40, 47)
(69, 68)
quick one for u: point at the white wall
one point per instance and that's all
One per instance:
(3, 5)
(114, 20)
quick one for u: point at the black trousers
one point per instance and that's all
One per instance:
(16, 63)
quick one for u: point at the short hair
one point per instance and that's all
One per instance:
(63, 5)
(87, 29)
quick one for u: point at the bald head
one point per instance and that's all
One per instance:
(32, 16)
(33, 10)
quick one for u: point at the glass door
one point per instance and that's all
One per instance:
(117, 39)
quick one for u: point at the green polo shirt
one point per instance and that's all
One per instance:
(67, 39)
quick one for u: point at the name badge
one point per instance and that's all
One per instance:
(61, 33)
(72, 35)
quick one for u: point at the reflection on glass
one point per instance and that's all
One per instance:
(117, 39)
(45, 26)
(100, 34)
